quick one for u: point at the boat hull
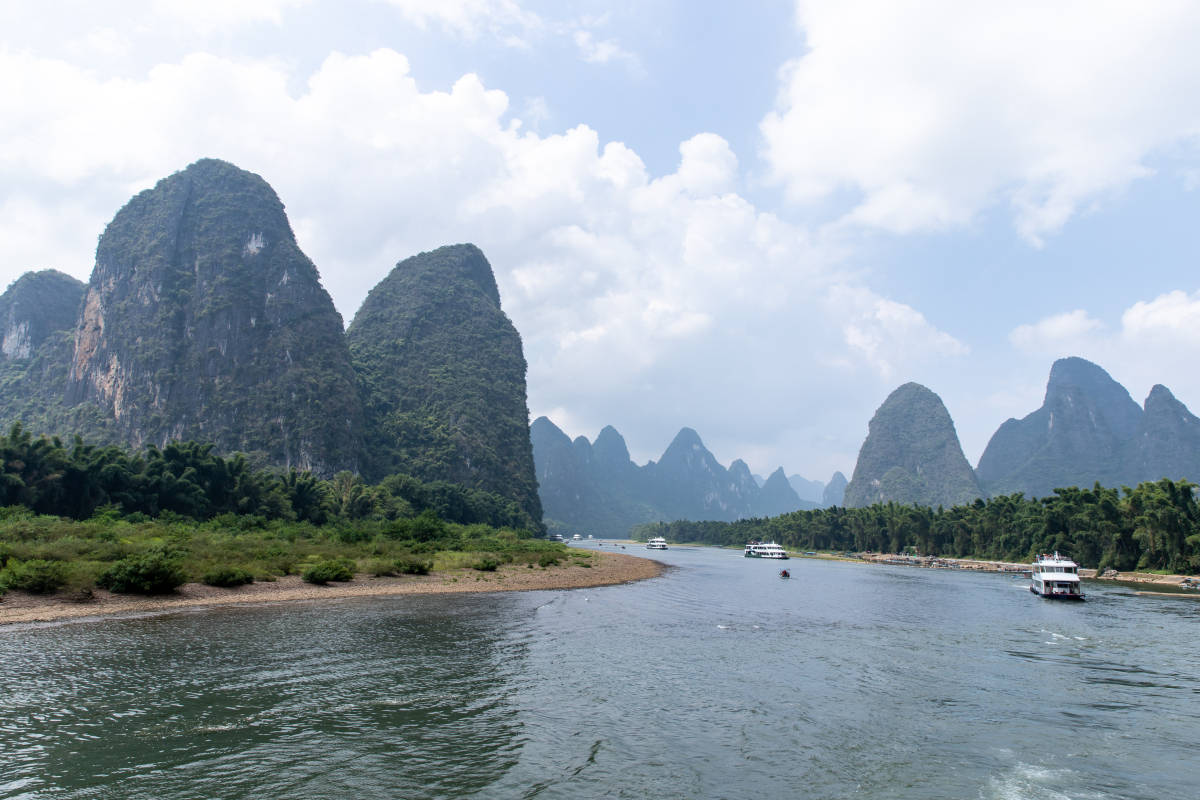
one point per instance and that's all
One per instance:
(1056, 596)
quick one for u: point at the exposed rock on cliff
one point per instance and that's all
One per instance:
(204, 320)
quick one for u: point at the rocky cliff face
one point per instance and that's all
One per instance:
(204, 320)
(912, 455)
(442, 373)
(1078, 436)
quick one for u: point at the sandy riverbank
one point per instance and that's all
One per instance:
(608, 569)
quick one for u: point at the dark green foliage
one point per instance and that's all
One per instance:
(333, 569)
(156, 571)
(442, 375)
(486, 565)
(1155, 526)
(189, 479)
(912, 455)
(36, 576)
(227, 576)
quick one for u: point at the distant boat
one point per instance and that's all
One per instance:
(1055, 577)
(760, 550)
(576, 538)
(657, 543)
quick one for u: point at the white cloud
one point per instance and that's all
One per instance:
(672, 289)
(1171, 319)
(925, 114)
(1058, 335)
(605, 51)
(887, 334)
(469, 18)
(213, 15)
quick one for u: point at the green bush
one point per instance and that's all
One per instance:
(36, 576)
(152, 572)
(381, 568)
(334, 569)
(411, 565)
(227, 576)
(548, 560)
(486, 565)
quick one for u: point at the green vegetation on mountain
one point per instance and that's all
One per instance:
(442, 374)
(912, 455)
(1155, 526)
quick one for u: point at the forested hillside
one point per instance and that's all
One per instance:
(1155, 526)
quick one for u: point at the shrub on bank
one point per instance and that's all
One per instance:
(226, 577)
(152, 572)
(411, 565)
(36, 576)
(486, 565)
(334, 569)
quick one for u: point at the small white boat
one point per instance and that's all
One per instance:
(764, 550)
(1055, 577)
(576, 538)
(657, 543)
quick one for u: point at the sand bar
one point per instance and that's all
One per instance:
(607, 569)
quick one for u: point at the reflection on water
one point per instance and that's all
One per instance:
(716, 680)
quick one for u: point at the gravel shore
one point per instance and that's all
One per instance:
(607, 569)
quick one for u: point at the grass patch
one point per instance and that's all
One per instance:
(138, 554)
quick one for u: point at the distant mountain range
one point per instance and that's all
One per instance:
(1087, 430)
(203, 320)
(595, 487)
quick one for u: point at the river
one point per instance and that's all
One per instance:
(716, 680)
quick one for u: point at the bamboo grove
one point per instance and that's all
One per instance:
(1152, 527)
(187, 479)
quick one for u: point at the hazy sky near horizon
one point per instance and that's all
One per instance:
(755, 220)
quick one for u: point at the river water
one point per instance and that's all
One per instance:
(717, 680)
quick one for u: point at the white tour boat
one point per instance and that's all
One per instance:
(1055, 577)
(767, 550)
(657, 543)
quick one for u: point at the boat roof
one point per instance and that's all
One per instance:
(1056, 560)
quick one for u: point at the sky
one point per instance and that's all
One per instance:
(755, 220)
